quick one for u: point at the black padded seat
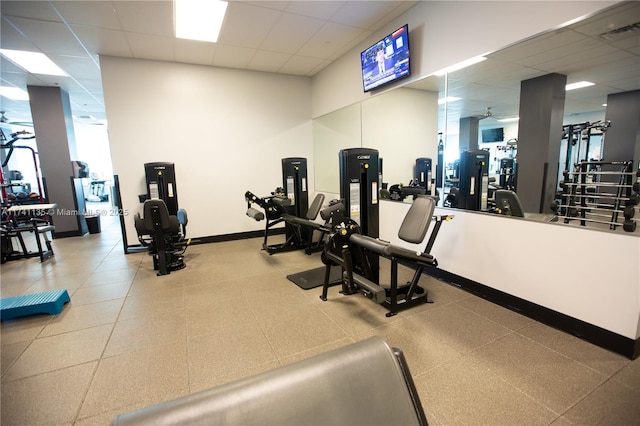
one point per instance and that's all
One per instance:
(365, 383)
(312, 214)
(508, 203)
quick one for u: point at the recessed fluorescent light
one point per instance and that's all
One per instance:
(460, 65)
(448, 99)
(199, 19)
(578, 85)
(33, 62)
(14, 93)
(509, 120)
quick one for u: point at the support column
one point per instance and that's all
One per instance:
(468, 138)
(55, 137)
(539, 136)
(622, 139)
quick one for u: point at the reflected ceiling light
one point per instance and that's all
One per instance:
(509, 120)
(578, 85)
(460, 65)
(199, 19)
(33, 62)
(448, 99)
(14, 93)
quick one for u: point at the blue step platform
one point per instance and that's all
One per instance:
(49, 302)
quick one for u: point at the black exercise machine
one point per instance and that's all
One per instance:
(352, 250)
(163, 226)
(474, 180)
(164, 235)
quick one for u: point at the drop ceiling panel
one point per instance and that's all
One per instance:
(103, 42)
(149, 47)
(619, 17)
(232, 57)
(246, 25)
(99, 14)
(323, 10)
(49, 37)
(147, 17)
(300, 65)
(290, 33)
(39, 10)
(194, 53)
(268, 61)
(328, 39)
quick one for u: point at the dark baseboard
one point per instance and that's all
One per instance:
(583, 330)
(67, 234)
(216, 238)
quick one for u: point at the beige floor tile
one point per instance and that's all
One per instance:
(552, 379)
(613, 403)
(464, 392)
(136, 376)
(22, 329)
(630, 374)
(110, 276)
(226, 352)
(60, 351)
(148, 304)
(10, 353)
(593, 356)
(460, 328)
(281, 301)
(46, 399)
(503, 316)
(206, 316)
(78, 317)
(100, 293)
(301, 330)
(149, 331)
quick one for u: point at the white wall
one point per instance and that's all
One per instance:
(590, 275)
(225, 130)
(443, 33)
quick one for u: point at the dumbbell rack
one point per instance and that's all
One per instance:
(599, 192)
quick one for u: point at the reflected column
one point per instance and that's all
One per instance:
(539, 135)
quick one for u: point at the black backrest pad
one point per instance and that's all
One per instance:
(315, 207)
(416, 222)
(149, 205)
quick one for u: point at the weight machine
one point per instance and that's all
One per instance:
(474, 180)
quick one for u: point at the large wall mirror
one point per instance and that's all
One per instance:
(407, 122)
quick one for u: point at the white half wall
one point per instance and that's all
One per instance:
(590, 275)
(443, 33)
(225, 130)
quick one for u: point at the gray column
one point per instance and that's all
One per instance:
(468, 137)
(53, 126)
(622, 139)
(539, 136)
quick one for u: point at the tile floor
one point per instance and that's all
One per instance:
(129, 339)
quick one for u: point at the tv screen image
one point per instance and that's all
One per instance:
(493, 135)
(387, 60)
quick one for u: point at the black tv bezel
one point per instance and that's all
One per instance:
(395, 79)
(493, 129)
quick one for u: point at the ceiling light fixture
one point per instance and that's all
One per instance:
(199, 19)
(460, 65)
(33, 62)
(509, 120)
(578, 85)
(14, 93)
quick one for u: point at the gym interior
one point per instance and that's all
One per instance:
(345, 224)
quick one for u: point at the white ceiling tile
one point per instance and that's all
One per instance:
(328, 39)
(39, 10)
(290, 33)
(10, 38)
(149, 47)
(246, 25)
(232, 57)
(100, 14)
(300, 65)
(363, 14)
(268, 61)
(146, 17)
(103, 42)
(322, 10)
(194, 52)
(49, 37)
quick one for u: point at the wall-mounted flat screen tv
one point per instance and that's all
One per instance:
(387, 60)
(493, 135)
